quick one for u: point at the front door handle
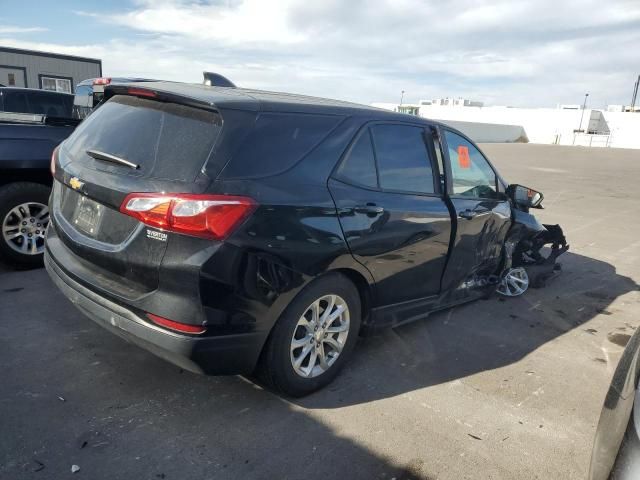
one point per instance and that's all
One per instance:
(369, 209)
(468, 214)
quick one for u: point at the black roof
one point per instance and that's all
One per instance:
(260, 100)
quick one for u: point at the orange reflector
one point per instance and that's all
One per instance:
(177, 326)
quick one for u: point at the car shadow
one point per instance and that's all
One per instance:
(475, 337)
(73, 393)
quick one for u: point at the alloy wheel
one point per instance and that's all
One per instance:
(24, 227)
(319, 336)
(514, 283)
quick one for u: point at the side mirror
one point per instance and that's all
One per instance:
(525, 197)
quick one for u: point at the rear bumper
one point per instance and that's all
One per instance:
(220, 355)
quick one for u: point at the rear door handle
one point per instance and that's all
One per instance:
(468, 214)
(369, 209)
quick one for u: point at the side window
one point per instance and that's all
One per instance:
(403, 161)
(360, 165)
(472, 176)
(16, 102)
(56, 84)
(52, 105)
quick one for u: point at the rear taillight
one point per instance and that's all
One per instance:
(177, 326)
(208, 216)
(53, 161)
(102, 81)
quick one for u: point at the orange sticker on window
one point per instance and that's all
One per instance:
(463, 157)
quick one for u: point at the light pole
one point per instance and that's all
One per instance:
(584, 105)
(401, 97)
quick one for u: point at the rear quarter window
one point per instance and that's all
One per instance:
(277, 142)
(359, 167)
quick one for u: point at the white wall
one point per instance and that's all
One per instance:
(624, 129)
(538, 125)
(477, 131)
(489, 132)
(541, 125)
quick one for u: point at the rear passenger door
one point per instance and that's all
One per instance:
(392, 211)
(482, 209)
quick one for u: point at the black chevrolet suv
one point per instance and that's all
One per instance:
(234, 231)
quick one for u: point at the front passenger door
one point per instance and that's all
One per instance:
(483, 213)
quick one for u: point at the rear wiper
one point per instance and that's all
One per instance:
(111, 158)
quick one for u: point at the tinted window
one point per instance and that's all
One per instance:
(51, 105)
(167, 140)
(472, 176)
(360, 165)
(403, 162)
(15, 102)
(277, 142)
(82, 101)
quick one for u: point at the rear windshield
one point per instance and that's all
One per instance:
(166, 140)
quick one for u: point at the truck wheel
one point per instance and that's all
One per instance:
(24, 216)
(313, 338)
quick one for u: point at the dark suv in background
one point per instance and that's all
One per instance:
(39, 102)
(32, 123)
(234, 231)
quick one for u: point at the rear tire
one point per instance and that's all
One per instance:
(12, 196)
(338, 309)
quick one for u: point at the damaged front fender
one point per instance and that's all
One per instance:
(523, 251)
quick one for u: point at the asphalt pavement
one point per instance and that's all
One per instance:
(501, 388)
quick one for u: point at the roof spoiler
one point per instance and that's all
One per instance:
(213, 79)
(144, 91)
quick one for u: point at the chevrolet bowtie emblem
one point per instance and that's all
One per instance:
(75, 183)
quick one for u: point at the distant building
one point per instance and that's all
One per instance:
(409, 109)
(564, 124)
(570, 107)
(452, 102)
(47, 71)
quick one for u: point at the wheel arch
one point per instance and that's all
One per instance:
(357, 278)
(364, 290)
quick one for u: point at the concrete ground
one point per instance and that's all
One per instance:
(493, 389)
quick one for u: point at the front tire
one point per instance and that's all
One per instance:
(24, 216)
(313, 338)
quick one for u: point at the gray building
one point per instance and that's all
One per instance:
(48, 71)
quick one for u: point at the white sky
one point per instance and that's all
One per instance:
(525, 53)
